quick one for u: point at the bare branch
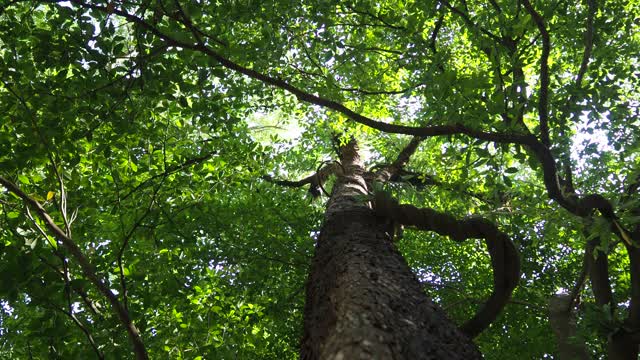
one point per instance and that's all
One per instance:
(63, 195)
(315, 181)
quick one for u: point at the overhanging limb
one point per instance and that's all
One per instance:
(504, 256)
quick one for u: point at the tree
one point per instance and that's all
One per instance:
(150, 152)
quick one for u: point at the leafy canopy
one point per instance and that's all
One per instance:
(145, 129)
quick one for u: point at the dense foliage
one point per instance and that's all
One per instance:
(146, 129)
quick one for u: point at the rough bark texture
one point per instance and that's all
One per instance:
(363, 301)
(563, 322)
(622, 345)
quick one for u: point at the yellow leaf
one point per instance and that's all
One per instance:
(52, 242)
(50, 195)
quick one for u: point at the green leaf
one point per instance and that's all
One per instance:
(507, 181)
(52, 242)
(161, 125)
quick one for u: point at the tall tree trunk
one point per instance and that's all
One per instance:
(363, 301)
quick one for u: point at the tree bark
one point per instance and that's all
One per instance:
(363, 301)
(563, 323)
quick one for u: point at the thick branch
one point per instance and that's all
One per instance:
(85, 265)
(598, 266)
(633, 319)
(394, 169)
(543, 100)
(504, 256)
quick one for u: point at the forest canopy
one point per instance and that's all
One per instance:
(168, 172)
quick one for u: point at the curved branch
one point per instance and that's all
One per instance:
(504, 256)
(540, 149)
(85, 265)
(542, 152)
